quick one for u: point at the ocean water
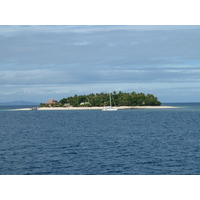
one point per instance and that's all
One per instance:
(126, 142)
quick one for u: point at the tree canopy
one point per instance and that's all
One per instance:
(118, 99)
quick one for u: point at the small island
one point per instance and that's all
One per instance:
(119, 99)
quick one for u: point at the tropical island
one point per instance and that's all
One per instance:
(102, 99)
(120, 100)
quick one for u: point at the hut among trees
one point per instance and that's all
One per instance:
(50, 102)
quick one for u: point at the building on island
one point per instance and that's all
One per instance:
(85, 104)
(67, 105)
(50, 102)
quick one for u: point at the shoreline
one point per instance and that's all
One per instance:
(96, 108)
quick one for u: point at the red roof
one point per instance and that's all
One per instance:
(51, 101)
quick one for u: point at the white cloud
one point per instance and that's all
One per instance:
(81, 43)
(10, 30)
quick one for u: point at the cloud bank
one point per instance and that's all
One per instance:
(39, 62)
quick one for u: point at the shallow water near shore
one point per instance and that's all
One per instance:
(132, 142)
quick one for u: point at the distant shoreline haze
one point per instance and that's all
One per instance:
(16, 103)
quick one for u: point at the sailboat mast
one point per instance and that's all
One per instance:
(110, 99)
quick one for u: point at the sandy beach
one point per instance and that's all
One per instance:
(97, 108)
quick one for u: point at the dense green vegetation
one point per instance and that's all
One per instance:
(118, 99)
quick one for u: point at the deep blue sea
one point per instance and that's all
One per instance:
(126, 142)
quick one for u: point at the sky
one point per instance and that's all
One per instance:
(38, 63)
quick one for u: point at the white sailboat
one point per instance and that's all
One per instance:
(109, 108)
